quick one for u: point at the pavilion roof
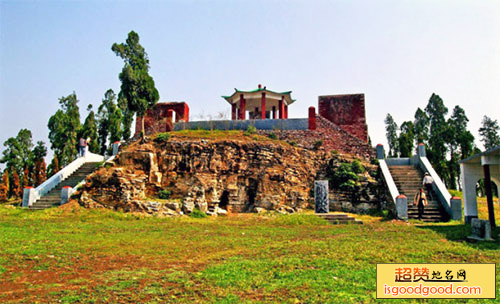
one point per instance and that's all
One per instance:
(287, 94)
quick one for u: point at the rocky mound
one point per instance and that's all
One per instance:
(213, 175)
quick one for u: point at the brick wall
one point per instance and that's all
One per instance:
(334, 139)
(347, 112)
(156, 119)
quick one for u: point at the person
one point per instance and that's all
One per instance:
(81, 147)
(427, 183)
(421, 201)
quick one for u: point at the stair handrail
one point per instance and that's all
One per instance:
(65, 172)
(389, 181)
(57, 178)
(439, 187)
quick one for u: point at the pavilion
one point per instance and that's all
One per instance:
(260, 103)
(483, 165)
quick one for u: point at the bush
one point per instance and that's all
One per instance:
(318, 144)
(164, 194)
(162, 138)
(250, 131)
(197, 213)
(357, 167)
(272, 135)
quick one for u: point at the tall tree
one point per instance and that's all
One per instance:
(4, 186)
(138, 87)
(406, 139)
(40, 169)
(63, 129)
(391, 129)
(53, 168)
(89, 131)
(436, 110)
(15, 189)
(109, 121)
(460, 144)
(421, 127)
(127, 118)
(17, 153)
(489, 132)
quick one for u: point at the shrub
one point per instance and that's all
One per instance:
(250, 131)
(272, 135)
(162, 138)
(164, 194)
(197, 213)
(318, 144)
(357, 167)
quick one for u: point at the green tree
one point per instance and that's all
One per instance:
(391, 129)
(17, 154)
(64, 126)
(489, 132)
(436, 111)
(127, 119)
(460, 144)
(406, 139)
(89, 131)
(54, 167)
(138, 87)
(421, 127)
(109, 121)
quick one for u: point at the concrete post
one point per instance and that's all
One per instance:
(65, 194)
(116, 147)
(402, 207)
(321, 197)
(28, 196)
(380, 151)
(421, 150)
(312, 118)
(456, 208)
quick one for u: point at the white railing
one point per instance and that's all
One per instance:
(60, 176)
(391, 185)
(439, 187)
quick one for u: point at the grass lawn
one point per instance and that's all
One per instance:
(74, 255)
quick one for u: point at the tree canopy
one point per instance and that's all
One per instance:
(137, 86)
(489, 132)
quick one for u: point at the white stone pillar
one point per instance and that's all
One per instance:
(28, 196)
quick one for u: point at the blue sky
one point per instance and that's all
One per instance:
(396, 52)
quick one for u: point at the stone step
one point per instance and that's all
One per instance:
(339, 218)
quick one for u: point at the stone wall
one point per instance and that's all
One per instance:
(346, 111)
(260, 124)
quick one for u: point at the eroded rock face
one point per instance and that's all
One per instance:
(208, 175)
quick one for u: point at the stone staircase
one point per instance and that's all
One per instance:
(53, 198)
(339, 218)
(408, 179)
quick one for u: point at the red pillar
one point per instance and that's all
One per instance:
(281, 109)
(263, 106)
(274, 112)
(233, 111)
(312, 118)
(170, 115)
(169, 124)
(286, 112)
(242, 107)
